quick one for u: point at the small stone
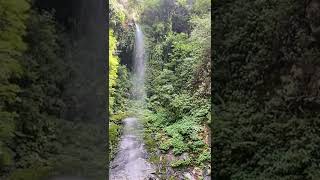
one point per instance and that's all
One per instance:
(185, 156)
(197, 172)
(188, 176)
(206, 174)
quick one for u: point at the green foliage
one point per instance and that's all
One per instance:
(178, 77)
(200, 7)
(119, 109)
(35, 66)
(182, 104)
(117, 14)
(13, 17)
(201, 34)
(122, 88)
(266, 111)
(6, 156)
(12, 30)
(113, 67)
(121, 38)
(158, 119)
(165, 145)
(149, 141)
(33, 173)
(181, 162)
(79, 149)
(204, 157)
(35, 131)
(160, 17)
(186, 126)
(178, 144)
(114, 134)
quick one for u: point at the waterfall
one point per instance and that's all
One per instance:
(138, 90)
(131, 162)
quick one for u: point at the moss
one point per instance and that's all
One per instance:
(114, 135)
(154, 159)
(205, 156)
(197, 146)
(117, 118)
(165, 145)
(180, 163)
(178, 144)
(6, 157)
(150, 143)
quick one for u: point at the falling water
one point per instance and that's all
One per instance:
(131, 162)
(138, 90)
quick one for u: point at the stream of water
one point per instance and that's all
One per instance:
(131, 162)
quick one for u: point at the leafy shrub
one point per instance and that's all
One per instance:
(181, 104)
(178, 74)
(165, 145)
(196, 146)
(180, 162)
(151, 144)
(185, 127)
(6, 156)
(32, 173)
(114, 135)
(156, 119)
(117, 118)
(179, 146)
(205, 156)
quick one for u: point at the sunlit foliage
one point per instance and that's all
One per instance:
(113, 66)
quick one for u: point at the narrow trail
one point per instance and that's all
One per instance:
(131, 162)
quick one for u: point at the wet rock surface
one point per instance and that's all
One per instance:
(131, 162)
(166, 171)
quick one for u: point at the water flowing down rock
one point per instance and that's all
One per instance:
(138, 80)
(131, 162)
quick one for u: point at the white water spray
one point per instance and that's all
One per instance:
(138, 89)
(131, 162)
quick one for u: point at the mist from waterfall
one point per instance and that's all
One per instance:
(131, 160)
(138, 79)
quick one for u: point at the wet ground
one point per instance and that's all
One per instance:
(131, 162)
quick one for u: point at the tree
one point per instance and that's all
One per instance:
(113, 67)
(12, 30)
(261, 104)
